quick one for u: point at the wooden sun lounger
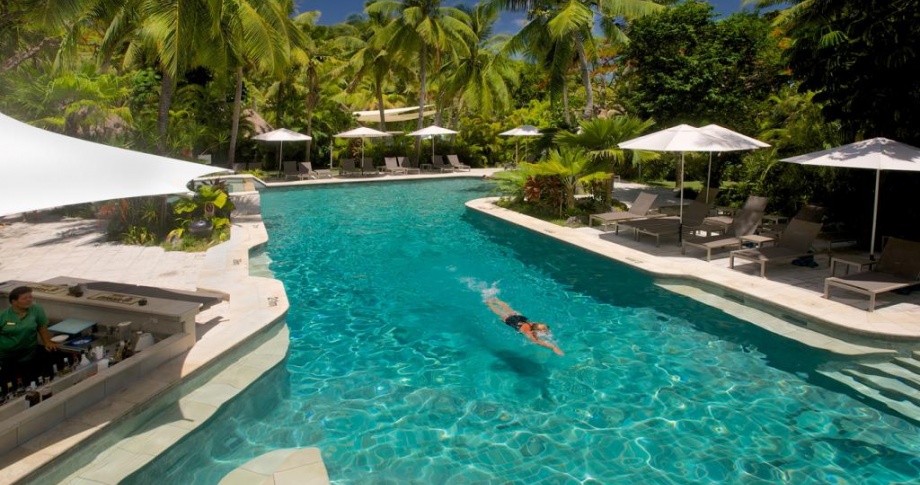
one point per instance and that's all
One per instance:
(794, 243)
(743, 224)
(638, 210)
(898, 267)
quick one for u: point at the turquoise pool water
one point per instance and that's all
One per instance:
(400, 374)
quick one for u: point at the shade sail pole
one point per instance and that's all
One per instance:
(878, 173)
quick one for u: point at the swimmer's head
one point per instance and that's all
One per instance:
(539, 327)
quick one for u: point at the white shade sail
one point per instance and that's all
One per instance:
(392, 114)
(41, 170)
(875, 154)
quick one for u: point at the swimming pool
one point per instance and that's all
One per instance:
(400, 374)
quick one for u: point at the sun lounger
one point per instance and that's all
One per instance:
(743, 224)
(239, 167)
(456, 165)
(898, 267)
(753, 202)
(289, 170)
(347, 167)
(640, 209)
(694, 214)
(306, 170)
(392, 166)
(407, 165)
(794, 243)
(438, 163)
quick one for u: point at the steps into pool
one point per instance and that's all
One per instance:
(301, 466)
(894, 384)
(788, 326)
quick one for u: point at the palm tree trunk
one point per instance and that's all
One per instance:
(312, 101)
(423, 77)
(235, 126)
(166, 94)
(565, 105)
(379, 91)
(585, 77)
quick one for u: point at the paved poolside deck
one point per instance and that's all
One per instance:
(46, 247)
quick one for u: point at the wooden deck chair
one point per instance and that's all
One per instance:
(744, 223)
(456, 165)
(794, 243)
(898, 267)
(640, 209)
(239, 167)
(369, 169)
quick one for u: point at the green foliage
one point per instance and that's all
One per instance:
(860, 58)
(601, 139)
(681, 66)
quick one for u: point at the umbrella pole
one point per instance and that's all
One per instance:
(878, 173)
(708, 178)
(362, 154)
(680, 221)
(281, 158)
(432, 148)
(517, 156)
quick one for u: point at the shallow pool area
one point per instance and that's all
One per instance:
(399, 373)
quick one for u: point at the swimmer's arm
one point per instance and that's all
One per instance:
(533, 338)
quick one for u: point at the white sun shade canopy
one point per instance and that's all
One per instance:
(728, 140)
(392, 114)
(875, 154)
(362, 132)
(525, 130)
(282, 134)
(433, 130)
(41, 170)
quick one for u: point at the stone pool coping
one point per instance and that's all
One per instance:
(825, 316)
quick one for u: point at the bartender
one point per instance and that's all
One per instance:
(25, 341)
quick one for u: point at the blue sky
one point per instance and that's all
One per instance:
(335, 11)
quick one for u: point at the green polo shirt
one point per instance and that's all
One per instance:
(19, 335)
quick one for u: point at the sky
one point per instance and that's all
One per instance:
(335, 11)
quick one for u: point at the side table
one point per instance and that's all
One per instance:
(861, 263)
(758, 240)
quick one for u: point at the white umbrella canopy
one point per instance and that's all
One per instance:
(42, 170)
(432, 131)
(875, 154)
(728, 141)
(362, 132)
(524, 130)
(686, 138)
(282, 135)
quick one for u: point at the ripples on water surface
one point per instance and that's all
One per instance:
(400, 374)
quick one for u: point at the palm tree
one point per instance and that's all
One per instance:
(573, 21)
(258, 35)
(428, 29)
(568, 163)
(481, 79)
(369, 56)
(601, 139)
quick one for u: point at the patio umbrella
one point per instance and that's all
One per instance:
(362, 132)
(42, 170)
(525, 130)
(728, 141)
(432, 131)
(282, 135)
(877, 154)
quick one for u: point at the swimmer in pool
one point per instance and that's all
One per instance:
(532, 330)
